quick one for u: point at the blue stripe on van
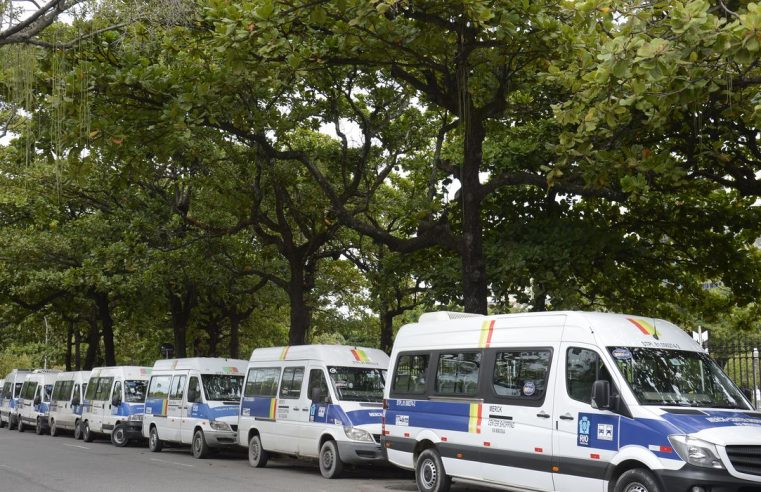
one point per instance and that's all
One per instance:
(204, 411)
(365, 417)
(441, 415)
(690, 424)
(127, 409)
(257, 407)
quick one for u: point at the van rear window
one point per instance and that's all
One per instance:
(410, 373)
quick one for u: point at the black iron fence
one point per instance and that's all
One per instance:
(740, 360)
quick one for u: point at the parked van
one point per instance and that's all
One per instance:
(566, 401)
(114, 403)
(34, 401)
(314, 401)
(66, 403)
(194, 401)
(9, 396)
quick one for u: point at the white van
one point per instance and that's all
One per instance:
(34, 400)
(114, 403)
(566, 401)
(9, 396)
(66, 403)
(314, 401)
(194, 401)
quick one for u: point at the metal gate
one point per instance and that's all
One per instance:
(739, 359)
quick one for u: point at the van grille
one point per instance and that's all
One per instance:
(745, 459)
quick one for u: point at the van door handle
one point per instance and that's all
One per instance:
(567, 416)
(543, 415)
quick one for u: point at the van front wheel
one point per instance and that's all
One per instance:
(119, 436)
(87, 435)
(637, 480)
(38, 428)
(331, 465)
(154, 443)
(20, 425)
(200, 448)
(53, 428)
(257, 456)
(78, 430)
(430, 474)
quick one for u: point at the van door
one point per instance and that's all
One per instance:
(112, 413)
(193, 397)
(318, 412)
(292, 409)
(586, 439)
(174, 407)
(69, 416)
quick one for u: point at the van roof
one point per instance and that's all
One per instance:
(65, 376)
(202, 364)
(606, 329)
(340, 355)
(43, 377)
(133, 372)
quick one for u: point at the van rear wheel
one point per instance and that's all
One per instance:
(38, 428)
(637, 480)
(430, 474)
(331, 465)
(257, 456)
(87, 435)
(200, 448)
(154, 443)
(119, 436)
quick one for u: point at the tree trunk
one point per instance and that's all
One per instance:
(93, 340)
(475, 290)
(181, 307)
(69, 344)
(234, 335)
(387, 330)
(78, 349)
(107, 324)
(301, 315)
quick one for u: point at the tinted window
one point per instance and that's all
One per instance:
(57, 390)
(262, 381)
(7, 390)
(178, 388)
(76, 393)
(317, 380)
(410, 373)
(117, 392)
(582, 368)
(28, 389)
(521, 373)
(134, 390)
(159, 387)
(17, 391)
(291, 385)
(194, 389)
(104, 389)
(457, 373)
(90, 391)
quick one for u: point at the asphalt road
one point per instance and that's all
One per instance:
(31, 463)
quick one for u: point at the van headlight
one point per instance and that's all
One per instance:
(220, 426)
(358, 434)
(136, 417)
(696, 451)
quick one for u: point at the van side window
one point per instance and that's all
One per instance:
(91, 387)
(104, 388)
(317, 380)
(290, 387)
(7, 390)
(583, 368)
(194, 389)
(262, 382)
(178, 388)
(457, 373)
(410, 373)
(75, 393)
(159, 388)
(117, 392)
(521, 373)
(58, 390)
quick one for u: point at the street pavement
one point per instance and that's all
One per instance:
(31, 463)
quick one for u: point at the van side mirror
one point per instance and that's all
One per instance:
(116, 401)
(601, 394)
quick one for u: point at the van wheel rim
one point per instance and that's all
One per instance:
(327, 458)
(119, 436)
(429, 474)
(197, 444)
(255, 450)
(154, 438)
(635, 487)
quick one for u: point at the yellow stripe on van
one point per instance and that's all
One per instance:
(284, 353)
(273, 406)
(487, 329)
(474, 423)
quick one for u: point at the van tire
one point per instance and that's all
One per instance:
(331, 465)
(87, 435)
(53, 428)
(257, 456)
(38, 428)
(20, 425)
(637, 480)
(199, 446)
(154, 443)
(119, 436)
(78, 430)
(430, 474)
(11, 422)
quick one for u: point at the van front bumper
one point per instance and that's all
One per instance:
(218, 439)
(355, 453)
(711, 480)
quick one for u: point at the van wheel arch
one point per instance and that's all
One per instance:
(253, 431)
(323, 438)
(420, 447)
(615, 472)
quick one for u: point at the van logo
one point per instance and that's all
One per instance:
(360, 355)
(584, 427)
(645, 327)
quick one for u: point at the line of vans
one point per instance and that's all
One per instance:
(314, 401)
(66, 402)
(566, 401)
(33, 402)
(194, 401)
(114, 404)
(12, 384)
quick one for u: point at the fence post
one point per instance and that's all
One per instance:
(755, 371)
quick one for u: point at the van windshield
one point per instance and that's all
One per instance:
(134, 391)
(220, 387)
(676, 378)
(357, 383)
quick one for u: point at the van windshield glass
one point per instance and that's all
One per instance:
(134, 391)
(677, 378)
(220, 387)
(357, 383)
